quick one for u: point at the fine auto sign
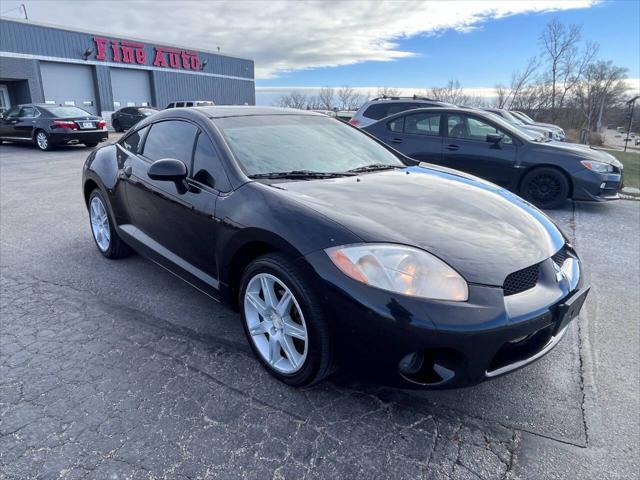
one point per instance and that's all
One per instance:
(124, 51)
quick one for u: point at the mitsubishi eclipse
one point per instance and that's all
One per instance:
(338, 251)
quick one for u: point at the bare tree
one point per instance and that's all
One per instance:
(388, 92)
(602, 87)
(566, 63)
(452, 92)
(326, 98)
(348, 99)
(294, 99)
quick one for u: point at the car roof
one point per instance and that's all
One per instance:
(245, 111)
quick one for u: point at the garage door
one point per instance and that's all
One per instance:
(130, 87)
(69, 85)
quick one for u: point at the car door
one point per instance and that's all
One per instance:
(417, 135)
(26, 122)
(466, 148)
(178, 226)
(8, 121)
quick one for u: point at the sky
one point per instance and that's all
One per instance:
(410, 45)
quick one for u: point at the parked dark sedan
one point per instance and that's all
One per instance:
(127, 117)
(543, 172)
(337, 250)
(47, 126)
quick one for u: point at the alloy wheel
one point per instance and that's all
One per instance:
(100, 223)
(42, 140)
(544, 188)
(275, 323)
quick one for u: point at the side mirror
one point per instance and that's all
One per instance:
(494, 138)
(170, 170)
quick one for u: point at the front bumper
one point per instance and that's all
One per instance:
(598, 187)
(416, 343)
(72, 137)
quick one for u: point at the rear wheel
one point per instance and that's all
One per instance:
(284, 322)
(103, 230)
(42, 140)
(545, 187)
(117, 127)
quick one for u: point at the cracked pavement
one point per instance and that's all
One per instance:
(118, 370)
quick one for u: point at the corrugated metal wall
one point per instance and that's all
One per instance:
(24, 38)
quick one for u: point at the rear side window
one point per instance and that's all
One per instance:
(170, 139)
(422, 124)
(396, 125)
(132, 142)
(28, 112)
(384, 109)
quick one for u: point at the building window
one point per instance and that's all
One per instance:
(131, 104)
(116, 105)
(70, 103)
(50, 102)
(144, 104)
(88, 103)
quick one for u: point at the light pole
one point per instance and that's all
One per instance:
(632, 104)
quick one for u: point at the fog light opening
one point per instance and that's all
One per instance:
(426, 367)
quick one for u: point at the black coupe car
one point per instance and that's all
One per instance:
(127, 117)
(337, 250)
(543, 172)
(47, 126)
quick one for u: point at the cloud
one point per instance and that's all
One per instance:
(283, 36)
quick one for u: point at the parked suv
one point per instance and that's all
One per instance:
(381, 107)
(483, 144)
(191, 103)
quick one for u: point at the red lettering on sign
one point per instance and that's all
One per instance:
(115, 48)
(132, 52)
(101, 48)
(160, 61)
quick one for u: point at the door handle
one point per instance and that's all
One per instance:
(395, 140)
(453, 147)
(127, 170)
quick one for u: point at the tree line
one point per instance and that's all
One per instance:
(566, 83)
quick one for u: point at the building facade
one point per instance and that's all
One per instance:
(102, 73)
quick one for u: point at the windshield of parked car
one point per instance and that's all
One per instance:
(526, 118)
(65, 112)
(284, 143)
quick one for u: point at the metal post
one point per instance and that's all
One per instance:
(632, 102)
(24, 9)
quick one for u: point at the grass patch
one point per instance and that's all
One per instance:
(631, 162)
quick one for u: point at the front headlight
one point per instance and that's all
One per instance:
(401, 269)
(599, 167)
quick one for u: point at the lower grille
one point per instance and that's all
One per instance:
(521, 280)
(560, 256)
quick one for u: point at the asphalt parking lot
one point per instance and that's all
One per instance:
(118, 370)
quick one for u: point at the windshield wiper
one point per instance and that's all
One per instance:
(301, 174)
(374, 167)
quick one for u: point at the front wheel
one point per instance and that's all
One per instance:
(545, 187)
(117, 127)
(42, 140)
(103, 229)
(284, 322)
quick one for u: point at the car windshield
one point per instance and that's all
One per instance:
(525, 117)
(512, 118)
(284, 143)
(65, 112)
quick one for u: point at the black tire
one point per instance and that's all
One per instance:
(318, 363)
(116, 248)
(91, 144)
(117, 127)
(42, 140)
(545, 187)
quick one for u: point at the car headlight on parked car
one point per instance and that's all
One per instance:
(401, 269)
(599, 167)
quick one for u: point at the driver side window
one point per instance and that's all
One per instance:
(471, 128)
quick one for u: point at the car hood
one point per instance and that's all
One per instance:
(583, 151)
(480, 229)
